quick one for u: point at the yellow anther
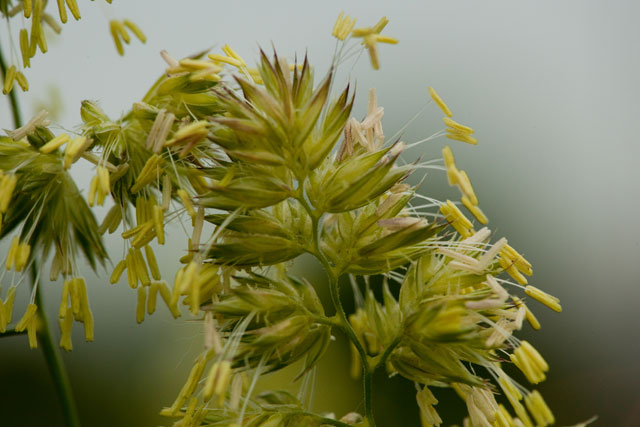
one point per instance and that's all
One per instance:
(152, 263)
(22, 81)
(508, 265)
(26, 317)
(227, 60)
(165, 293)
(104, 180)
(118, 32)
(158, 223)
(73, 7)
(9, 78)
(62, 11)
(74, 149)
(32, 329)
(66, 324)
(141, 268)
(475, 210)
(457, 126)
(149, 173)
(186, 201)
(533, 354)
(135, 30)
(343, 26)
(464, 183)
(533, 321)
(521, 263)
(447, 154)
(55, 143)
(131, 269)
(117, 272)
(371, 36)
(463, 138)
(550, 301)
(7, 185)
(28, 8)
(539, 409)
(88, 326)
(11, 255)
(140, 306)
(530, 370)
(93, 186)
(457, 219)
(24, 48)
(199, 64)
(436, 98)
(152, 297)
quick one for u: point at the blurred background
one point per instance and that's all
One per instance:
(552, 91)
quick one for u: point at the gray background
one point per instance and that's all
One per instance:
(551, 89)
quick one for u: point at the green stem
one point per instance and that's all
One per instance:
(53, 359)
(387, 353)
(342, 322)
(13, 100)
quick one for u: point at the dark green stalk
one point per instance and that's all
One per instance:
(342, 323)
(54, 361)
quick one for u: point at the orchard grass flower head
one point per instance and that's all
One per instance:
(263, 164)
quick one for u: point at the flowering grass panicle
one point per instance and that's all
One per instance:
(264, 165)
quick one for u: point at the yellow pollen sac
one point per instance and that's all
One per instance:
(439, 102)
(93, 186)
(135, 30)
(539, 409)
(22, 81)
(149, 173)
(343, 26)
(165, 293)
(55, 143)
(152, 297)
(32, 329)
(66, 324)
(9, 78)
(447, 154)
(463, 138)
(24, 48)
(526, 365)
(28, 314)
(73, 7)
(7, 185)
(62, 11)
(28, 8)
(550, 301)
(158, 223)
(457, 126)
(186, 201)
(140, 306)
(475, 210)
(117, 272)
(533, 354)
(533, 321)
(22, 256)
(88, 326)
(521, 263)
(131, 269)
(152, 262)
(457, 219)
(509, 266)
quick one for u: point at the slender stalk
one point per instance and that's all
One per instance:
(342, 322)
(13, 100)
(387, 353)
(54, 361)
